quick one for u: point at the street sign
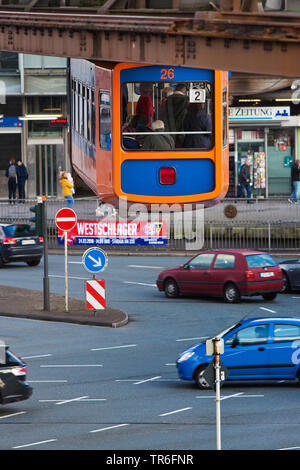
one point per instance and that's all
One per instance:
(95, 294)
(210, 374)
(94, 260)
(65, 219)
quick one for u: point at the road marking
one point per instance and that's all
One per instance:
(290, 448)
(192, 339)
(72, 365)
(34, 444)
(139, 283)
(114, 347)
(268, 309)
(13, 414)
(236, 395)
(144, 267)
(147, 380)
(294, 297)
(170, 364)
(176, 411)
(110, 427)
(61, 402)
(35, 357)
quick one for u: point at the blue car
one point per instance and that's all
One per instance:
(254, 349)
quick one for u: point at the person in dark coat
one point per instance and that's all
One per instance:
(22, 176)
(197, 119)
(158, 141)
(245, 180)
(295, 176)
(11, 174)
(175, 111)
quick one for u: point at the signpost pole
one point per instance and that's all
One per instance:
(218, 395)
(66, 270)
(46, 276)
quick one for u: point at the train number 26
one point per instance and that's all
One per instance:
(167, 74)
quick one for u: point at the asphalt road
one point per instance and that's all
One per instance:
(101, 388)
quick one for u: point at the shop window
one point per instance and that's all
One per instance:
(9, 61)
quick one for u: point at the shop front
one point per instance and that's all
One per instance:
(266, 137)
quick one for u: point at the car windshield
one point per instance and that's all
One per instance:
(22, 230)
(260, 261)
(227, 330)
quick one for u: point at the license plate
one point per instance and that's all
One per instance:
(268, 274)
(28, 242)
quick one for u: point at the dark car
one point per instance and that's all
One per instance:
(18, 243)
(291, 274)
(224, 273)
(264, 348)
(13, 385)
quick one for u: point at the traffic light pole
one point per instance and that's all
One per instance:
(46, 277)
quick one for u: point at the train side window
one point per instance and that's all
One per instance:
(224, 107)
(105, 119)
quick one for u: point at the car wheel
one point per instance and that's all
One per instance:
(270, 296)
(199, 379)
(33, 262)
(231, 293)
(171, 288)
(286, 283)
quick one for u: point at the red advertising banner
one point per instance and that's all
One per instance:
(116, 233)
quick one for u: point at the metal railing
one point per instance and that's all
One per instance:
(264, 224)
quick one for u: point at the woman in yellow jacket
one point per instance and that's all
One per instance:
(67, 188)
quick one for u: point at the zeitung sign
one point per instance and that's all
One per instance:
(270, 113)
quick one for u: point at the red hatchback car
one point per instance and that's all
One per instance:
(224, 273)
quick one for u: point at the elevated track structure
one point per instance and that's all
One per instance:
(241, 41)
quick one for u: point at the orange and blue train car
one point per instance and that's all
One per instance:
(150, 134)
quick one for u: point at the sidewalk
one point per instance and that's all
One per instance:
(25, 303)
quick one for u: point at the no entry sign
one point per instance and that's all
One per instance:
(65, 219)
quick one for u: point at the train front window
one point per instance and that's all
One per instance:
(167, 116)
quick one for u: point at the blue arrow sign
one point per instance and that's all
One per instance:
(94, 260)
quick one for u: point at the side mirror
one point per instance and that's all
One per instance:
(235, 343)
(186, 266)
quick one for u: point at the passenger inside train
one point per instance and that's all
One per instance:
(180, 111)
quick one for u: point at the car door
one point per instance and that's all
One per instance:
(285, 350)
(195, 277)
(246, 352)
(294, 273)
(222, 270)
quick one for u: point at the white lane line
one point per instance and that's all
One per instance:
(71, 400)
(114, 347)
(72, 365)
(192, 339)
(289, 448)
(13, 414)
(139, 283)
(34, 444)
(36, 357)
(109, 427)
(144, 267)
(232, 396)
(170, 364)
(60, 401)
(147, 380)
(176, 411)
(294, 297)
(268, 309)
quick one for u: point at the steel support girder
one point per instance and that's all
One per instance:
(230, 43)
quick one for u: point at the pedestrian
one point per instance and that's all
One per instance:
(295, 176)
(245, 180)
(197, 119)
(156, 141)
(11, 174)
(67, 188)
(22, 176)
